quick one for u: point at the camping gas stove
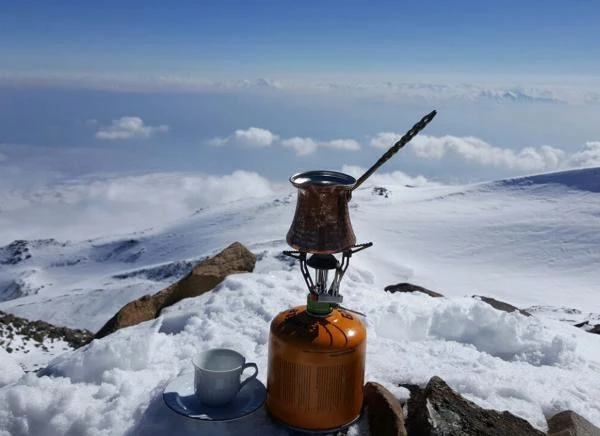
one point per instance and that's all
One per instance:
(317, 351)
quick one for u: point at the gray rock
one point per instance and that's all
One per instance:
(384, 411)
(439, 411)
(569, 423)
(501, 305)
(409, 287)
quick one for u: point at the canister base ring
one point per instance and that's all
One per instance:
(336, 431)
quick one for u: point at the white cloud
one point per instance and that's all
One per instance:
(588, 156)
(129, 128)
(303, 146)
(387, 178)
(85, 208)
(342, 144)
(476, 150)
(255, 137)
(385, 139)
(472, 149)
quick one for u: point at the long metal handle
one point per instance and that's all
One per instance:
(397, 146)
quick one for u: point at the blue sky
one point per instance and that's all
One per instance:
(291, 38)
(281, 86)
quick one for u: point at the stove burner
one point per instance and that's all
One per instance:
(322, 264)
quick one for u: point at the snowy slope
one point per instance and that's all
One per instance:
(533, 241)
(529, 241)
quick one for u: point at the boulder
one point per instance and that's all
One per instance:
(409, 287)
(569, 423)
(205, 276)
(589, 327)
(437, 410)
(501, 305)
(384, 411)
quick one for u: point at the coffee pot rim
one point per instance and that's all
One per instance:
(323, 178)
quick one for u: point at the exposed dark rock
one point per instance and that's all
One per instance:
(160, 272)
(19, 250)
(288, 261)
(18, 287)
(588, 327)
(501, 305)
(379, 190)
(206, 275)
(409, 287)
(127, 251)
(437, 410)
(384, 411)
(15, 252)
(39, 331)
(569, 423)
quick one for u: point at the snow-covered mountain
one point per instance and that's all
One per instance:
(530, 241)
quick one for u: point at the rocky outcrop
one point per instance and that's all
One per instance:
(161, 272)
(206, 275)
(569, 423)
(384, 411)
(501, 305)
(20, 250)
(439, 411)
(17, 333)
(409, 287)
(380, 190)
(589, 327)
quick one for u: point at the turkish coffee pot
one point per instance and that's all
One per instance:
(321, 223)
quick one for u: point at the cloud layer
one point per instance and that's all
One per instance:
(86, 208)
(566, 90)
(387, 178)
(469, 148)
(475, 150)
(256, 137)
(129, 128)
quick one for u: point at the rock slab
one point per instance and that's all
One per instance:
(409, 287)
(437, 410)
(384, 411)
(206, 275)
(569, 423)
(501, 305)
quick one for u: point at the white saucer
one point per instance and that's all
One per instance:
(179, 396)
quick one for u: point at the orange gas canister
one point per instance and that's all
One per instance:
(316, 369)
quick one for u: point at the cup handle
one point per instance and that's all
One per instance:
(252, 377)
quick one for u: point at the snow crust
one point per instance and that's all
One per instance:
(9, 368)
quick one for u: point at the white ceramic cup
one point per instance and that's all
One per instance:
(218, 375)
